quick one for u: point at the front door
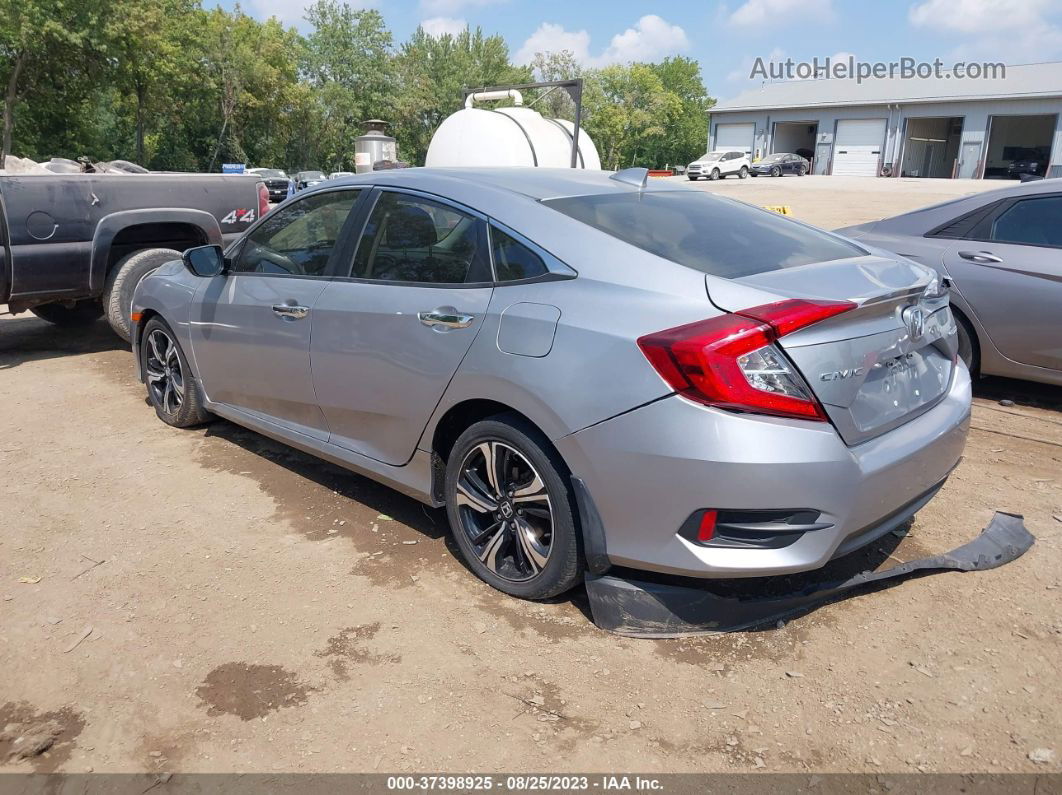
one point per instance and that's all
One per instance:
(388, 339)
(1010, 272)
(251, 327)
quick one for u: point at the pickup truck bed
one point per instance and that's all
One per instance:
(65, 237)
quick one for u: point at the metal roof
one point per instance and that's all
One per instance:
(1027, 81)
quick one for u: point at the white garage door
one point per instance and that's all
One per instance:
(857, 147)
(734, 136)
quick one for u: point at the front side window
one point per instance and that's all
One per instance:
(298, 240)
(412, 239)
(1034, 222)
(705, 232)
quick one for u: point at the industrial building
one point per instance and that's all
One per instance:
(915, 127)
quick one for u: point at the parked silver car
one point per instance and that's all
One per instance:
(1001, 253)
(586, 371)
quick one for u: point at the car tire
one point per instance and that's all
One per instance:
(714, 175)
(802, 171)
(743, 173)
(776, 172)
(82, 313)
(531, 552)
(122, 281)
(969, 350)
(172, 390)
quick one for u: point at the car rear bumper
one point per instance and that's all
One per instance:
(649, 470)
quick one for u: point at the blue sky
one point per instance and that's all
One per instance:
(726, 37)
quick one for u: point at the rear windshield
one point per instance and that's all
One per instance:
(706, 233)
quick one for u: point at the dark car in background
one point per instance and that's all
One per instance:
(276, 182)
(778, 164)
(307, 179)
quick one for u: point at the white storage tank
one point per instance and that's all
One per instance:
(511, 136)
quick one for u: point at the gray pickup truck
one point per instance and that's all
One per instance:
(73, 247)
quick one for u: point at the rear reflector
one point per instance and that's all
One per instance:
(731, 361)
(706, 529)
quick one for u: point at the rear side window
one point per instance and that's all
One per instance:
(706, 233)
(513, 261)
(1034, 222)
(413, 239)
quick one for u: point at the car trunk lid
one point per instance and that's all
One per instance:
(876, 366)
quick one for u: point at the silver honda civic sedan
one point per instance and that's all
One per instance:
(586, 370)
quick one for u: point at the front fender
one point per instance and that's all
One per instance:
(110, 225)
(167, 292)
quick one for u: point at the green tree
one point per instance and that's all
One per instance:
(431, 75)
(625, 109)
(686, 134)
(46, 46)
(347, 61)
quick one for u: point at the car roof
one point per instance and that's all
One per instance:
(532, 182)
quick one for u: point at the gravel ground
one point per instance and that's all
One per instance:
(209, 600)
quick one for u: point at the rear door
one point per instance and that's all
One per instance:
(390, 335)
(1009, 270)
(251, 326)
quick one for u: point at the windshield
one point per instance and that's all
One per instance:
(712, 156)
(773, 159)
(311, 175)
(704, 232)
(270, 173)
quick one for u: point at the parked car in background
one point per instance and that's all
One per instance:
(778, 164)
(74, 246)
(559, 358)
(715, 165)
(276, 181)
(1028, 166)
(1001, 254)
(340, 174)
(307, 179)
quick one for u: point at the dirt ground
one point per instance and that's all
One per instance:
(208, 600)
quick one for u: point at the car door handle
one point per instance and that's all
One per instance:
(980, 256)
(291, 312)
(445, 319)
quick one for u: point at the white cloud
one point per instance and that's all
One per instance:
(978, 16)
(760, 12)
(286, 11)
(1016, 30)
(447, 8)
(650, 38)
(554, 38)
(441, 26)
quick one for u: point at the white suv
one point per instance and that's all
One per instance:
(719, 164)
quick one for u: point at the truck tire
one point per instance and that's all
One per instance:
(122, 281)
(82, 313)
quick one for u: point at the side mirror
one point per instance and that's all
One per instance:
(204, 260)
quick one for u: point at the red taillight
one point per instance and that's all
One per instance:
(711, 361)
(263, 199)
(706, 529)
